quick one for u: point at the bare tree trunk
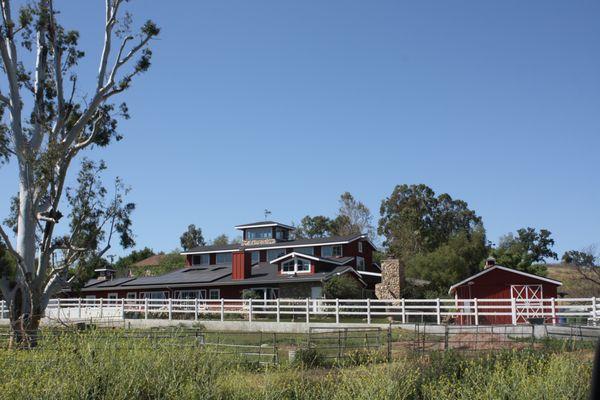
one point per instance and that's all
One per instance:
(25, 315)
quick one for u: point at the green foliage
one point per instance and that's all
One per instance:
(192, 238)
(136, 255)
(353, 218)
(525, 252)
(83, 271)
(308, 358)
(250, 294)
(169, 262)
(8, 264)
(580, 258)
(221, 240)
(450, 262)
(103, 365)
(342, 287)
(414, 220)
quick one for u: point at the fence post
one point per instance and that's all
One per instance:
(101, 307)
(438, 311)
(2, 314)
(337, 311)
(79, 307)
(170, 308)
(250, 310)
(553, 305)
(223, 309)
(145, 308)
(123, 308)
(307, 311)
(403, 312)
(58, 308)
(513, 310)
(475, 305)
(196, 309)
(278, 315)
(368, 311)
(594, 310)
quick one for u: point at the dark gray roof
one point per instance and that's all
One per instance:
(263, 273)
(250, 225)
(290, 243)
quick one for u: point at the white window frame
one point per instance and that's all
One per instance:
(211, 291)
(295, 270)
(359, 261)
(112, 296)
(131, 295)
(150, 295)
(360, 247)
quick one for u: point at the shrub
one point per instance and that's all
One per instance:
(342, 287)
(308, 358)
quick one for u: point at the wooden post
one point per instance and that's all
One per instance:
(58, 308)
(79, 307)
(513, 310)
(170, 305)
(278, 311)
(438, 311)
(475, 306)
(196, 309)
(594, 310)
(307, 310)
(222, 309)
(369, 311)
(553, 305)
(145, 308)
(250, 310)
(101, 307)
(337, 311)
(403, 312)
(123, 309)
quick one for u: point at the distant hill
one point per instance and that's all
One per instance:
(573, 283)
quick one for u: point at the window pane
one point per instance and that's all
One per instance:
(303, 265)
(201, 259)
(255, 257)
(273, 254)
(214, 294)
(288, 266)
(305, 250)
(326, 251)
(223, 258)
(259, 233)
(337, 251)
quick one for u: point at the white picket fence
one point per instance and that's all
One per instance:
(466, 312)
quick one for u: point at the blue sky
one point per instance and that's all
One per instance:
(286, 104)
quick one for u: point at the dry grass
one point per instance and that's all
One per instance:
(574, 285)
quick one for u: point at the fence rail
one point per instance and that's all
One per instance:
(465, 312)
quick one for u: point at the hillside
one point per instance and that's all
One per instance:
(573, 283)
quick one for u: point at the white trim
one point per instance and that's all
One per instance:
(302, 255)
(129, 295)
(369, 273)
(213, 290)
(294, 254)
(295, 260)
(112, 295)
(185, 253)
(286, 246)
(240, 227)
(485, 271)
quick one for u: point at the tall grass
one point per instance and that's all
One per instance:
(103, 367)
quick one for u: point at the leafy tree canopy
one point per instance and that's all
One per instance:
(353, 217)
(221, 240)
(192, 238)
(527, 251)
(136, 255)
(580, 258)
(414, 220)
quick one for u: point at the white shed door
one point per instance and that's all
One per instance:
(528, 299)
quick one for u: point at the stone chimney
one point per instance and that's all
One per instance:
(490, 262)
(392, 280)
(241, 265)
(105, 274)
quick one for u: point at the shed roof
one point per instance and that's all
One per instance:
(499, 267)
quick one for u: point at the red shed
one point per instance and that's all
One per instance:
(497, 282)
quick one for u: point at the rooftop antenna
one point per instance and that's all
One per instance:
(267, 213)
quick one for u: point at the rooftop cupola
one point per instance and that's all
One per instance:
(264, 232)
(105, 273)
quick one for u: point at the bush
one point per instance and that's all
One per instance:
(250, 294)
(308, 358)
(342, 287)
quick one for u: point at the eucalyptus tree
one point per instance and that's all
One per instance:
(49, 121)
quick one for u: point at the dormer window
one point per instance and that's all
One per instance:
(295, 265)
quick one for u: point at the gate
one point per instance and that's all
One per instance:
(528, 301)
(339, 343)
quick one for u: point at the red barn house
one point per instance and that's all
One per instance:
(268, 261)
(497, 282)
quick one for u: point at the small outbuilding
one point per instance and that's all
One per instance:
(498, 282)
